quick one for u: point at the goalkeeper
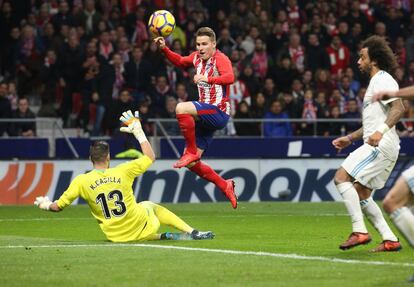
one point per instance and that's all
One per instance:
(109, 194)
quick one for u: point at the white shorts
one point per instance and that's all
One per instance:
(369, 166)
(408, 175)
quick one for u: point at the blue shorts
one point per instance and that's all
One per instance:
(211, 118)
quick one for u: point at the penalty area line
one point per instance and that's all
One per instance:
(222, 251)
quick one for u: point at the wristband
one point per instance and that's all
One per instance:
(350, 138)
(383, 128)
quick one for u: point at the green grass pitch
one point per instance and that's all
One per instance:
(39, 248)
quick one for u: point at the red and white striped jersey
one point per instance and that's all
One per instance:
(218, 70)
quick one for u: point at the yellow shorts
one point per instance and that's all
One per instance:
(153, 224)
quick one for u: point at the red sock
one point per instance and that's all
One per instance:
(205, 171)
(187, 126)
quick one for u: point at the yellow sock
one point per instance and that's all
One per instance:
(167, 217)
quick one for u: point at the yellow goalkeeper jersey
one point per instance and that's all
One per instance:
(111, 199)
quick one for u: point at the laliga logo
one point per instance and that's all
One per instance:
(22, 187)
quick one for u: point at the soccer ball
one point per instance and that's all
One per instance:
(161, 23)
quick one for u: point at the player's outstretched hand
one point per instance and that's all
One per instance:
(131, 121)
(382, 96)
(341, 143)
(43, 202)
(160, 41)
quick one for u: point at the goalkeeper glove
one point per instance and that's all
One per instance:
(133, 125)
(43, 202)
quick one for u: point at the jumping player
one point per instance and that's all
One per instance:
(198, 120)
(368, 167)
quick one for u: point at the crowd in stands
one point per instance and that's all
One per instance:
(86, 61)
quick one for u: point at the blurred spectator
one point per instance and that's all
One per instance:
(284, 73)
(23, 129)
(297, 90)
(318, 28)
(29, 51)
(258, 106)
(225, 42)
(269, 89)
(5, 108)
(145, 114)
(136, 27)
(322, 112)
(158, 94)
(400, 51)
(344, 88)
(50, 74)
(248, 44)
(337, 100)
(354, 84)
(295, 51)
(291, 105)
(352, 113)
(242, 17)
(315, 56)
(276, 40)
(276, 129)
(171, 128)
(12, 95)
(243, 128)
(338, 55)
(237, 92)
(71, 69)
(251, 81)
(138, 73)
(63, 17)
(90, 17)
(335, 128)
(106, 48)
(120, 105)
(95, 115)
(324, 83)
(259, 60)
(309, 112)
(118, 75)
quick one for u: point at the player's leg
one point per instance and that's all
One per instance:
(165, 216)
(344, 178)
(395, 204)
(373, 213)
(203, 170)
(186, 113)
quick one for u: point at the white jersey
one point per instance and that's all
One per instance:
(375, 113)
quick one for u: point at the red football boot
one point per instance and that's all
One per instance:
(387, 246)
(355, 239)
(186, 159)
(230, 194)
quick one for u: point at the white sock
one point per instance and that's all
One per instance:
(351, 200)
(373, 212)
(404, 220)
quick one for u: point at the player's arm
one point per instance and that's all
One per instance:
(225, 69)
(43, 202)
(344, 141)
(405, 93)
(176, 59)
(133, 126)
(394, 115)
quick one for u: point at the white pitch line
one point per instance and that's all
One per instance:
(223, 251)
(190, 216)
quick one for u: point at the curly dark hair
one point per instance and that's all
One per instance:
(380, 52)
